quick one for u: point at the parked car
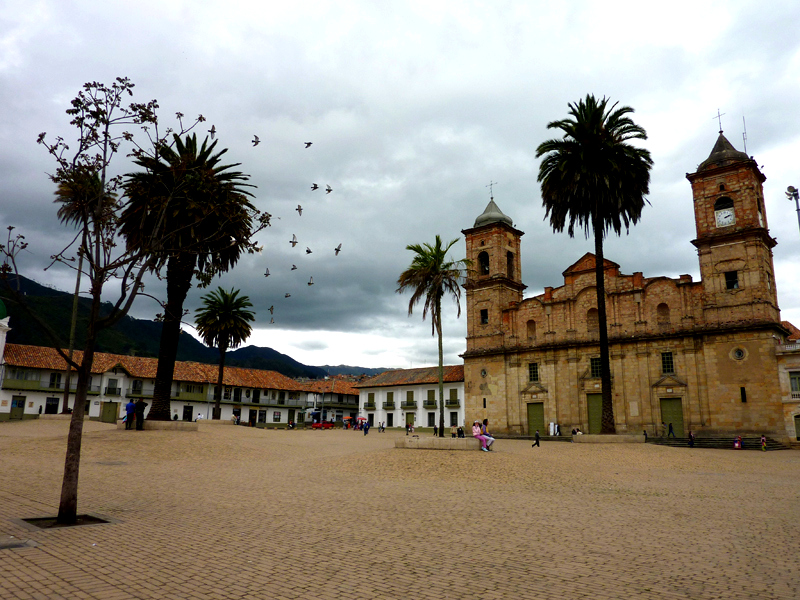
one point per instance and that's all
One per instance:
(323, 425)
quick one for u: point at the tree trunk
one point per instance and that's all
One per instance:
(607, 420)
(68, 505)
(216, 414)
(441, 367)
(179, 279)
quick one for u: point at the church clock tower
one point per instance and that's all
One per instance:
(733, 242)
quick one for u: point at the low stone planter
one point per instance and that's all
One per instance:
(626, 438)
(165, 425)
(437, 443)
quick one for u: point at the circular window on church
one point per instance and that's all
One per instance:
(738, 354)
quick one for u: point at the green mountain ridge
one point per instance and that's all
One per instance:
(137, 337)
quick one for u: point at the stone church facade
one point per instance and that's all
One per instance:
(703, 355)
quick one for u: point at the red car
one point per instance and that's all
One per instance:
(323, 425)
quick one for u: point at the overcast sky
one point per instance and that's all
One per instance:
(412, 108)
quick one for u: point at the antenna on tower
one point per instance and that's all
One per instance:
(744, 134)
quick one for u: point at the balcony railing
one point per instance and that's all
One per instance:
(452, 403)
(407, 404)
(113, 391)
(429, 404)
(369, 406)
(389, 405)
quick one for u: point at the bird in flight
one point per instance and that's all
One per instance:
(288, 296)
(293, 241)
(299, 210)
(308, 144)
(256, 141)
(266, 273)
(338, 249)
(310, 281)
(271, 308)
(294, 268)
(272, 321)
(213, 131)
(328, 189)
(314, 186)
(308, 250)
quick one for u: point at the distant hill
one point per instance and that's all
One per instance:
(136, 337)
(348, 370)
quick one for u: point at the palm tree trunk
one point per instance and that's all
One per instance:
(441, 366)
(216, 414)
(72, 326)
(180, 270)
(607, 418)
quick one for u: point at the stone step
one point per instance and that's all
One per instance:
(725, 443)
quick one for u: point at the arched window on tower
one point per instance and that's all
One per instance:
(592, 321)
(723, 202)
(531, 330)
(510, 265)
(483, 263)
(662, 316)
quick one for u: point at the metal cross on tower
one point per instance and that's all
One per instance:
(491, 192)
(719, 118)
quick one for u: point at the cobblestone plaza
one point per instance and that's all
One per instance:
(234, 512)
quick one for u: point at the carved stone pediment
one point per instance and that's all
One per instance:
(670, 381)
(534, 387)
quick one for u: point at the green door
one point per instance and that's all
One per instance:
(17, 407)
(672, 412)
(594, 409)
(109, 412)
(536, 418)
(409, 418)
(797, 427)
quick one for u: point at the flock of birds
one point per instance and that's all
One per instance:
(328, 189)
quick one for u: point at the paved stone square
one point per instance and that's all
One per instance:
(231, 512)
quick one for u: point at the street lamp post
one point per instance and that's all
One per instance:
(792, 193)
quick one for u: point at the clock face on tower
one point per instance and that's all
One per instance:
(724, 217)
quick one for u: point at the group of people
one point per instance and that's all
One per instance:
(480, 431)
(134, 411)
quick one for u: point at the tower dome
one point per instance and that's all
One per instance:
(722, 155)
(492, 214)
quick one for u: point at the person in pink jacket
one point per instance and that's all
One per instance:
(476, 433)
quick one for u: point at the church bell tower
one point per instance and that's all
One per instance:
(733, 242)
(495, 277)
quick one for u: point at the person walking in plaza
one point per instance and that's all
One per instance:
(435, 431)
(453, 431)
(535, 439)
(663, 429)
(691, 439)
(763, 443)
(476, 433)
(671, 431)
(366, 427)
(139, 409)
(130, 414)
(485, 432)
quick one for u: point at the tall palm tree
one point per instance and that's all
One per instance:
(82, 200)
(192, 214)
(431, 276)
(593, 178)
(224, 323)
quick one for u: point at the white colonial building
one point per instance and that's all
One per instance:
(410, 397)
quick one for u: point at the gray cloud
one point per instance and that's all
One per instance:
(412, 112)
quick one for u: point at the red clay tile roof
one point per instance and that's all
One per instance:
(452, 374)
(331, 386)
(795, 332)
(37, 357)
